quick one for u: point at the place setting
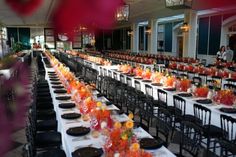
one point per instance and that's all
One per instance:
(88, 152)
(58, 87)
(55, 83)
(60, 91)
(63, 98)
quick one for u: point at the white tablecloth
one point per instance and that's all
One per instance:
(215, 112)
(70, 143)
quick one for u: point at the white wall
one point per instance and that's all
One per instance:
(36, 32)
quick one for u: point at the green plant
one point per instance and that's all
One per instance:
(17, 47)
(7, 61)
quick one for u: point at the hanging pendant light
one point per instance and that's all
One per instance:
(122, 14)
(179, 4)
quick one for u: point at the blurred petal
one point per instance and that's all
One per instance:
(24, 8)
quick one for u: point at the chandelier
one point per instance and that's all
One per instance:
(179, 4)
(122, 13)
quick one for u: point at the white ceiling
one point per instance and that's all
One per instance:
(140, 10)
(39, 18)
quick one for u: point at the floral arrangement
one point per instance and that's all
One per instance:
(173, 65)
(184, 85)
(170, 81)
(125, 68)
(157, 77)
(223, 74)
(100, 117)
(138, 71)
(180, 67)
(189, 68)
(123, 142)
(201, 91)
(87, 105)
(225, 97)
(233, 75)
(146, 74)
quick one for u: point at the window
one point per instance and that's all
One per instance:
(160, 38)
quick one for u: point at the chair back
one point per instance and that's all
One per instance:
(129, 81)
(228, 126)
(231, 81)
(101, 71)
(137, 85)
(109, 73)
(190, 138)
(122, 78)
(164, 124)
(190, 75)
(203, 114)
(115, 76)
(197, 79)
(162, 96)
(146, 113)
(203, 77)
(230, 86)
(148, 90)
(179, 104)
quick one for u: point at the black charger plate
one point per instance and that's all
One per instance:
(88, 152)
(71, 116)
(67, 105)
(78, 131)
(204, 101)
(185, 94)
(60, 91)
(150, 143)
(63, 98)
(228, 110)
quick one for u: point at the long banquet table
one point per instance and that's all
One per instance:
(215, 112)
(70, 143)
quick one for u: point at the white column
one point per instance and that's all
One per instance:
(135, 38)
(152, 37)
(190, 37)
(223, 36)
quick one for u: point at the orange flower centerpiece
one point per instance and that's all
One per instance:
(157, 77)
(84, 92)
(100, 117)
(225, 97)
(170, 81)
(201, 91)
(184, 85)
(138, 71)
(120, 139)
(173, 65)
(135, 151)
(146, 74)
(87, 105)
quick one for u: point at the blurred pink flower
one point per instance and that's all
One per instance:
(24, 7)
(5, 131)
(14, 99)
(92, 14)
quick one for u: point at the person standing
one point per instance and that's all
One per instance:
(229, 54)
(219, 54)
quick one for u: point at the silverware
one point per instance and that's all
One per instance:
(90, 145)
(73, 121)
(86, 137)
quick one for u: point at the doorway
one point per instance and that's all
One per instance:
(180, 46)
(232, 44)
